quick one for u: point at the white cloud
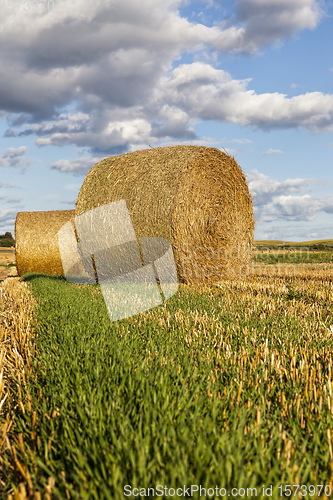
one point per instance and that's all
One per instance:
(276, 200)
(264, 188)
(80, 166)
(11, 157)
(114, 59)
(267, 21)
(190, 93)
(294, 85)
(296, 208)
(13, 152)
(291, 231)
(7, 217)
(211, 94)
(134, 130)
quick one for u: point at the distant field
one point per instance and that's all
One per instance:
(292, 243)
(7, 258)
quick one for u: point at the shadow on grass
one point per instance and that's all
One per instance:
(33, 275)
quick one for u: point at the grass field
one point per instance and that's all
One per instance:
(281, 244)
(227, 386)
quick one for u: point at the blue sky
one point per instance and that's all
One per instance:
(80, 81)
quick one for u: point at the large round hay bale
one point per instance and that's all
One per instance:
(36, 241)
(196, 197)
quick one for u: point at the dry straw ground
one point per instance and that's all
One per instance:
(16, 351)
(195, 197)
(256, 295)
(36, 240)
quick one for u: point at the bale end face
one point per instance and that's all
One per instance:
(36, 247)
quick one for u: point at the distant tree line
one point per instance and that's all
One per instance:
(315, 246)
(7, 240)
(321, 246)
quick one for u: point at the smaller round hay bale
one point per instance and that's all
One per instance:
(36, 239)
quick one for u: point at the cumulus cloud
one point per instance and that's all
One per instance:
(12, 152)
(264, 188)
(291, 208)
(114, 61)
(292, 231)
(211, 94)
(77, 166)
(276, 200)
(7, 218)
(191, 92)
(268, 21)
(11, 157)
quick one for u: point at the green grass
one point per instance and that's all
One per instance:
(296, 257)
(281, 244)
(131, 403)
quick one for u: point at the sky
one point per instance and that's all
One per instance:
(81, 81)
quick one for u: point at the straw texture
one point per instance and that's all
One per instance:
(37, 247)
(196, 197)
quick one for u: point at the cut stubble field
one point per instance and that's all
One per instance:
(228, 385)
